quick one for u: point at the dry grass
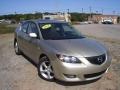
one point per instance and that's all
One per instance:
(6, 29)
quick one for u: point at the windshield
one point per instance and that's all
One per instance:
(59, 31)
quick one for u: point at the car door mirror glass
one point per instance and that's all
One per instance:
(33, 35)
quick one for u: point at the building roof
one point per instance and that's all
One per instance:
(50, 21)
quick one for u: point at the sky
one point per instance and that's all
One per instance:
(31, 6)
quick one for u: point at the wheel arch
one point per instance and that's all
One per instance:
(42, 55)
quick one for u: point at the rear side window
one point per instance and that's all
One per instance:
(24, 27)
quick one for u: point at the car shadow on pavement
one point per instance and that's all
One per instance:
(75, 83)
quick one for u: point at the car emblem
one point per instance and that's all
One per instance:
(100, 59)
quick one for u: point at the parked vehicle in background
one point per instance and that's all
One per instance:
(7, 21)
(107, 22)
(60, 51)
(84, 23)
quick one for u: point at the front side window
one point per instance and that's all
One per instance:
(33, 29)
(58, 31)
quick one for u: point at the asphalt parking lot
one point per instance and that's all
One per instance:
(18, 73)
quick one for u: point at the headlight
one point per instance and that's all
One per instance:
(68, 59)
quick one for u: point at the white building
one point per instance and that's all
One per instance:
(58, 16)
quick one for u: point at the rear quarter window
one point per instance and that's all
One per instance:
(24, 27)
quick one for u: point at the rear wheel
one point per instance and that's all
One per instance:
(45, 69)
(17, 50)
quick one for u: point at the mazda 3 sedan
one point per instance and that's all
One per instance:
(60, 51)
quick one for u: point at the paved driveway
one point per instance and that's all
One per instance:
(100, 30)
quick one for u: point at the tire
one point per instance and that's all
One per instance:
(17, 50)
(45, 70)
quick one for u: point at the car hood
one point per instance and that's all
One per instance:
(81, 47)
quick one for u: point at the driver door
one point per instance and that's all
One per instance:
(33, 47)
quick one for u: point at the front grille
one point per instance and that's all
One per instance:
(94, 74)
(97, 59)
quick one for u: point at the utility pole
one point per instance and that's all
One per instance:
(90, 8)
(82, 10)
(68, 11)
(102, 11)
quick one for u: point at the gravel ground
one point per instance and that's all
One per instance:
(17, 73)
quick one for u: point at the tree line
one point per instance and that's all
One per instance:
(75, 16)
(19, 17)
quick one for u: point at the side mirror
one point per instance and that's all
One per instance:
(33, 35)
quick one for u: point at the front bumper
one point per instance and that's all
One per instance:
(79, 72)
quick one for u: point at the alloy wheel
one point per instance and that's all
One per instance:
(46, 70)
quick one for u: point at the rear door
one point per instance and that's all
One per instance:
(21, 36)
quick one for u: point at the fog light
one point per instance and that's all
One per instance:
(70, 76)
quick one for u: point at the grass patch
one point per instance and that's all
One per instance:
(6, 29)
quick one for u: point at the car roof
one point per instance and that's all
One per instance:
(45, 21)
(50, 21)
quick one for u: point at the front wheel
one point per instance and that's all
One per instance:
(45, 69)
